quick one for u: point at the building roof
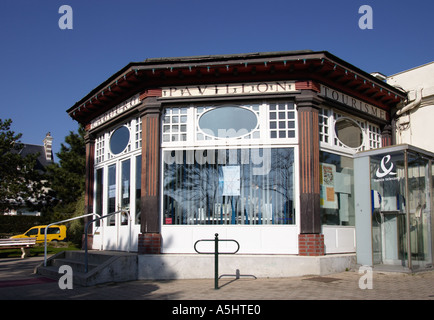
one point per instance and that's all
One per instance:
(41, 162)
(320, 66)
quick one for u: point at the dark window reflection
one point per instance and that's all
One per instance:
(244, 186)
(349, 133)
(119, 140)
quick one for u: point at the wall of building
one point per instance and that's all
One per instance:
(415, 126)
(149, 131)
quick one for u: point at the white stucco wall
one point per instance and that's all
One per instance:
(416, 127)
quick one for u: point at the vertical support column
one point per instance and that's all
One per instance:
(363, 210)
(149, 241)
(431, 202)
(89, 182)
(386, 136)
(311, 241)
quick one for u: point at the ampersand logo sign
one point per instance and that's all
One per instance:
(384, 170)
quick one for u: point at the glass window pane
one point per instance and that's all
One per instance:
(336, 189)
(138, 188)
(111, 201)
(388, 202)
(243, 186)
(119, 140)
(349, 132)
(32, 232)
(55, 230)
(419, 203)
(228, 122)
(125, 192)
(99, 194)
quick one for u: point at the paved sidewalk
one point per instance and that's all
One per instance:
(17, 282)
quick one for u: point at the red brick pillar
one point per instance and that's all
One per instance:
(311, 241)
(149, 243)
(311, 244)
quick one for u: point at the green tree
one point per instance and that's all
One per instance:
(67, 177)
(20, 183)
(67, 181)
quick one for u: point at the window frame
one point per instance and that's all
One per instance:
(105, 159)
(195, 110)
(329, 140)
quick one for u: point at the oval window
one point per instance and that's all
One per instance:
(228, 122)
(119, 140)
(349, 133)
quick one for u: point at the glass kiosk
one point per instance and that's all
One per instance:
(394, 207)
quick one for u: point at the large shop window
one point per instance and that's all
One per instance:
(251, 186)
(336, 189)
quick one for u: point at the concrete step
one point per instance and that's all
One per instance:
(94, 257)
(76, 265)
(78, 278)
(103, 266)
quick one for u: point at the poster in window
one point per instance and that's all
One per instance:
(112, 191)
(328, 199)
(229, 180)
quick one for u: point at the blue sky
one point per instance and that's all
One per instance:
(45, 70)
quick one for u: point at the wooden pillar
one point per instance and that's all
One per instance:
(88, 187)
(149, 241)
(311, 241)
(386, 136)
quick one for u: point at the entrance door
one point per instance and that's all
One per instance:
(388, 183)
(389, 238)
(402, 210)
(420, 210)
(118, 227)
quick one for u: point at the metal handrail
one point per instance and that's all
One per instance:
(216, 255)
(100, 218)
(66, 220)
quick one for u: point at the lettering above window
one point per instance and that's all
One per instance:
(213, 90)
(353, 102)
(114, 112)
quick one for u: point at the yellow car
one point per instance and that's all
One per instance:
(54, 233)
